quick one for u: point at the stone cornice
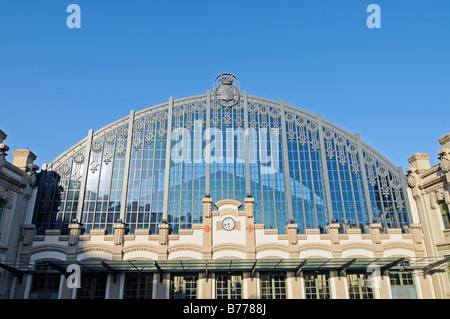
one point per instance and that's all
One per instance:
(428, 172)
(185, 247)
(314, 246)
(48, 248)
(271, 246)
(11, 184)
(397, 245)
(427, 185)
(356, 245)
(101, 248)
(222, 247)
(143, 248)
(228, 202)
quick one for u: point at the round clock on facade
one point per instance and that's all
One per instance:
(228, 223)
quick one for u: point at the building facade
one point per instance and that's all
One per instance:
(18, 193)
(222, 195)
(430, 189)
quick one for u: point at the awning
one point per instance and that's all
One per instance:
(221, 265)
(207, 266)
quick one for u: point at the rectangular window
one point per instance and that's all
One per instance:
(228, 286)
(359, 286)
(45, 285)
(183, 286)
(402, 285)
(138, 286)
(445, 215)
(92, 287)
(273, 286)
(317, 285)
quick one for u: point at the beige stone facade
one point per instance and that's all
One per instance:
(211, 241)
(430, 190)
(422, 252)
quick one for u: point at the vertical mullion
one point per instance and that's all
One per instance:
(301, 181)
(98, 191)
(153, 179)
(312, 179)
(340, 184)
(84, 175)
(325, 168)
(248, 189)
(111, 179)
(208, 144)
(405, 194)
(126, 172)
(287, 180)
(140, 178)
(364, 177)
(168, 158)
(258, 155)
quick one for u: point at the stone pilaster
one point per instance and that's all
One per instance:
(119, 233)
(293, 240)
(335, 240)
(163, 240)
(23, 159)
(207, 228)
(28, 232)
(375, 231)
(420, 161)
(416, 231)
(250, 240)
(74, 233)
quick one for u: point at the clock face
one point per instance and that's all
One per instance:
(228, 223)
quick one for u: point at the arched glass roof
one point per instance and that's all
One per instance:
(160, 162)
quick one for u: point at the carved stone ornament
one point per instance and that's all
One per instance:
(334, 232)
(375, 232)
(445, 162)
(416, 230)
(5, 197)
(163, 234)
(249, 207)
(28, 234)
(207, 207)
(32, 174)
(3, 149)
(226, 90)
(412, 180)
(119, 233)
(292, 234)
(74, 233)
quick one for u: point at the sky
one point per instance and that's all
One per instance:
(389, 84)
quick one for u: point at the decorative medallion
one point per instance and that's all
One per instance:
(226, 90)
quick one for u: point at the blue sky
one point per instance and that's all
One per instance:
(391, 84)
